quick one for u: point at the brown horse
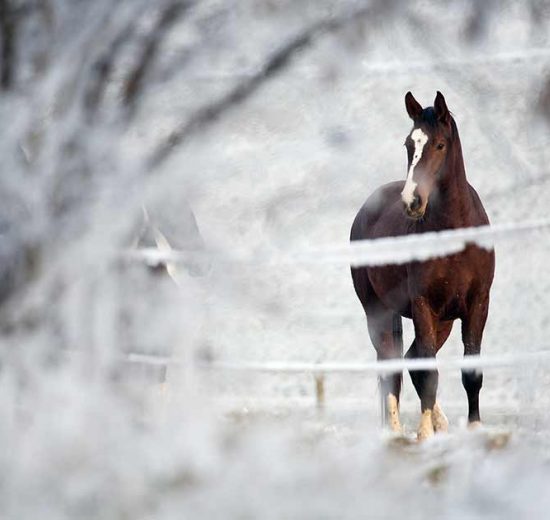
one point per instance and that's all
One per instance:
(435, 196)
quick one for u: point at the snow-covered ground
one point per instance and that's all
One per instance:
(282, 172)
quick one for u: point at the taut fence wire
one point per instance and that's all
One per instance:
(374, 367)
(380, 251)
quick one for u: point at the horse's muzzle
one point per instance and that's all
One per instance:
(415, 209)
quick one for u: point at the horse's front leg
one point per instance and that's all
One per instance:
(472, 332)
(439, 420)
(425, 381)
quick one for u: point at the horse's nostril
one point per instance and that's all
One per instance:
(415, 204)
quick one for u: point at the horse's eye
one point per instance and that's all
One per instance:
(440, 146)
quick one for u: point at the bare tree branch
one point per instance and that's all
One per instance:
(134, 82)
(209, 114)
(102, 69)
(7, 42)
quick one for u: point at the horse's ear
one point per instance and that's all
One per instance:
(441, 110)
(414, 109)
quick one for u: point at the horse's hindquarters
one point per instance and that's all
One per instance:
(390, 285)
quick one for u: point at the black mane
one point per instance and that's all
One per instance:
(429, 119)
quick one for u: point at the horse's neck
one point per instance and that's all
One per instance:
(454, 206)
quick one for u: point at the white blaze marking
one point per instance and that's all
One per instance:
(420, 139)
(393, 413)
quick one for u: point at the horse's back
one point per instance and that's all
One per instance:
(482, 218)
(380, 216)
(383, 205)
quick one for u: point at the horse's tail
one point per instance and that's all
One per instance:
(397, 333)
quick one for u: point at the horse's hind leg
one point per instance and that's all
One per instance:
(386, 335)
(472, 332)
(437, 420)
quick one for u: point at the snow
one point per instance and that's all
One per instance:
(273, 184)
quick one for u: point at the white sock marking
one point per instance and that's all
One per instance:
(420, 139)
(393, 413)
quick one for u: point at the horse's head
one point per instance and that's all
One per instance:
(427, 147)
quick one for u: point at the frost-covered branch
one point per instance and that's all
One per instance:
(134, 83)
(7, 43)
(272, 66)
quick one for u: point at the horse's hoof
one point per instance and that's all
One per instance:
(395, 426)
(426, 428)
(439, 419)
(474, 425)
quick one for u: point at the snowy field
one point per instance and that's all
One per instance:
(251, 131)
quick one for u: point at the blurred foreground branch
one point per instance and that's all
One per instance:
(135, 80)
(273, 65)
(7, 44)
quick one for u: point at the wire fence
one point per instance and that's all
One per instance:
(375, 252)
(392, 250)
(389, 366)
(319, 371)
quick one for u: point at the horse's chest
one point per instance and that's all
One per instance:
(444, 283)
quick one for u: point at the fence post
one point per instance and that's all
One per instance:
(319, 389)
